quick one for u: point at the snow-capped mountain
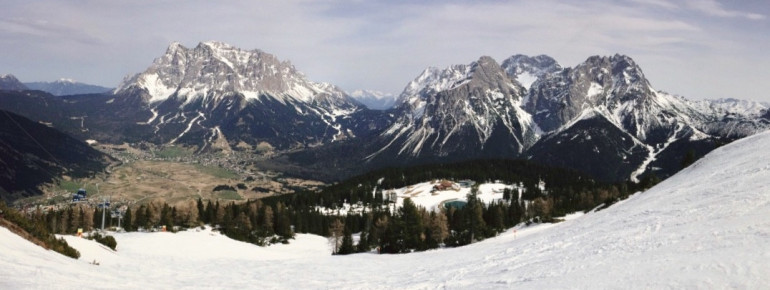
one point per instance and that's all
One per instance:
(736, 106)
(215, 70)
(601, 117)
(216, 91)
(472, 109)
(66, 87)
(11, 83)
(374, 100)
(612, 93)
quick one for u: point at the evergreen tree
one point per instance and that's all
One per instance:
(141, 218)
(347, 243)
(475, 211)
(413, 231)
(688, 159)
(210, 214)
(128, 222)
(148, 223)
(201, 210)
(166, 217)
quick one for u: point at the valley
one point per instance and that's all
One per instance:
(173, 175)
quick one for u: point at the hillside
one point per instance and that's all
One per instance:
(705, 227)
(32, 154)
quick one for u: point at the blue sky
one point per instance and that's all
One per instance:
(698, 49)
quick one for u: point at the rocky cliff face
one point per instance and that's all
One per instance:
(473, 109)
(601, 116)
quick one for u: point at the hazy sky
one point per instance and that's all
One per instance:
(698, 49)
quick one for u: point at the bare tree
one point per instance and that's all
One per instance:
(336, 230)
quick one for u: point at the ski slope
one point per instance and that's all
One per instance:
(706, 227)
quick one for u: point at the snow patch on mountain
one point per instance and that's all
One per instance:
(375, 100)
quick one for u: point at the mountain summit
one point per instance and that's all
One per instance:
(11, 83)
(474, 109)
(601, 117)
(214, 69)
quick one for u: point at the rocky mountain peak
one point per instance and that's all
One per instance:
(11, 83)
(526, 69)
(441, 108)
(215, 69)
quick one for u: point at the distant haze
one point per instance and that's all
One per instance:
(698, 49)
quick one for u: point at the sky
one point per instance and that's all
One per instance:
(700, 49)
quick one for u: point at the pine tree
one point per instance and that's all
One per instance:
(475, 209)
(141, 218)
(347, 243)
(413, 230)
(210, 214)
(201, 211)
(148, 223)
(688, 159)
(128, 222)
(166, 217)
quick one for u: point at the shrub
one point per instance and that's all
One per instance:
(107, 240)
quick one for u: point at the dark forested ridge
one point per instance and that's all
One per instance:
(32, 154)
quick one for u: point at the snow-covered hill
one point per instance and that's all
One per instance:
(706, 227)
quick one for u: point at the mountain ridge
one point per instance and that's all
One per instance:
(526, 107)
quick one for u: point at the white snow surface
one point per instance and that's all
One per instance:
(526, 79)
(423, 195)
(706, 227)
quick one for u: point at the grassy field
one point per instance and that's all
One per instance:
(229, 195)
(174, 182)
(173, 152)
(73, 186)
(217, 172)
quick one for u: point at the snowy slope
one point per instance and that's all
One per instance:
(706, 227)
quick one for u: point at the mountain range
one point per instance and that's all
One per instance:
(65, 87)
(601, 117)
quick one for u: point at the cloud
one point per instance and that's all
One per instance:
(659, 3)
(714, 8)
